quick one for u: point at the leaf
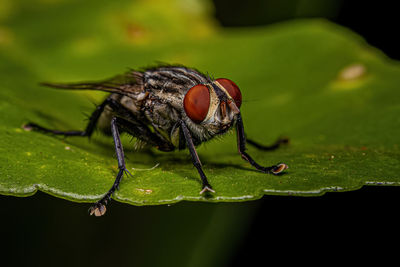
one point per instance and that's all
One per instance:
(323, 86)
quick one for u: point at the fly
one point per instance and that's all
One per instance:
(167, 107)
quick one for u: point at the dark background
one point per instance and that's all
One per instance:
(334, 228)
(377, 21)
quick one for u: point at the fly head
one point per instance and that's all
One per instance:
(214, 106)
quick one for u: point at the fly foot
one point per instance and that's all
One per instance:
(207, 188)
(98, 209)
(279, 168)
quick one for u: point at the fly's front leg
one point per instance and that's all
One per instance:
(88, 130)
(281, 141)
(99, 208)
(241, 139)
(196, 161)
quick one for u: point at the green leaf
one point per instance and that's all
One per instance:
(317, 83)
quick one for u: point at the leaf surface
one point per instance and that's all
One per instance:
(336, 97)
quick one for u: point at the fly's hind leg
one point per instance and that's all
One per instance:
(88, 130)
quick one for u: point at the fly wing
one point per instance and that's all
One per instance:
(130, 83)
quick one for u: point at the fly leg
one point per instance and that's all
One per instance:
(135, 127)
(99, 208)
(281, 141)
(241, 139)
(142, 131)
(88, 130)
(196, 161)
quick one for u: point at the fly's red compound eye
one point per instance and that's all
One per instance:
(232, 89)
(197, 102)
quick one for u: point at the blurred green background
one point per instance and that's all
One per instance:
(44, 231)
